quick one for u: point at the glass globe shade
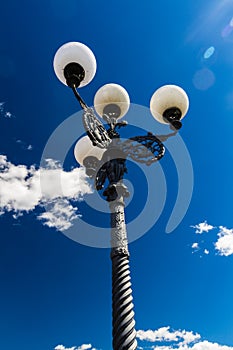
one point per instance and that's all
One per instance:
(111, 94)
(75, 52)
(85, 148)
(168, 96)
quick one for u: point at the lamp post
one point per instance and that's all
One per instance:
(103, 153)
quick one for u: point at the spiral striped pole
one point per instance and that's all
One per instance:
(124, 333)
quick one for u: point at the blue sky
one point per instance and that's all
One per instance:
(56, 293)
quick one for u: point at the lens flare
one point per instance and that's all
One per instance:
(203, 79)
(209, 52)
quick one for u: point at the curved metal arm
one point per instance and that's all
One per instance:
(79, 98)
(95, 129)
(147, 149)
(164, 138)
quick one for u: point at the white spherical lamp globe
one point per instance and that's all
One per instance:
(166, 97)
(84, 148)
(75, 52)
(112, 96)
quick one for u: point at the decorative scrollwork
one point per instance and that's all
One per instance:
(113, 169)
(95, 129)
(144, 149)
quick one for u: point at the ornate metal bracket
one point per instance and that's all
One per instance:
(95, 129)
(112, 168)
(144, 149)
(111, 113)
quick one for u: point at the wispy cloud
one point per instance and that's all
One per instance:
(23, 188)
(203, 227)
(24, 145)
(3, 111)
(59, 214)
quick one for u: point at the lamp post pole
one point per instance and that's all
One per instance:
(104, 154)
(123, 323)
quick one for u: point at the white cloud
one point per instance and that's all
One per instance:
(195, 246)
(23, 188)
(16, 215)
(8, 115)
(178, 340)
(224, 244)
(203, 227)
(59, 214)
(61, 347)
(166, 334)
(165, 338)
(82, 347)
(204, 345)
(224, 240)
(19, 187)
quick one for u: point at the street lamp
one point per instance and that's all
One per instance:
(103, 154)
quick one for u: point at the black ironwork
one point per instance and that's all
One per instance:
(74, 74)
(112, 167)
(164, 138)
(110, 114)
(111, 110)
(173, 115)
(91, 164)
(144, 149)
(79, 98)
(95, 129)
